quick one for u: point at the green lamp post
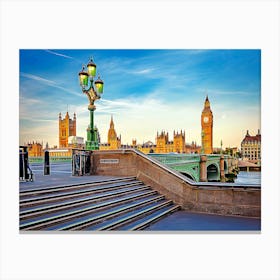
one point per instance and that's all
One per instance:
(93, 93)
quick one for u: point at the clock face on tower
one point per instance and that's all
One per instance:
(206, 119)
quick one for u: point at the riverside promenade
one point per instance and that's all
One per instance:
(180, 221)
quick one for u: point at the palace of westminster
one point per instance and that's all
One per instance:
(250, 145)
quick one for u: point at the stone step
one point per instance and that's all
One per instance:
(94, 210)
(119, 204)
(141, 224)
(74, 194)
(86, 221)
(112, 225)
(81, 202)
(76, 188)
(76, 185)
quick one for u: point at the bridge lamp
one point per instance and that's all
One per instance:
(93, 93)
(99, 85)
(83, 75)
(91, 66)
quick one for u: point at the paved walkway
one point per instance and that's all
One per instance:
(60, 175)
(41, 181)
(187, 221)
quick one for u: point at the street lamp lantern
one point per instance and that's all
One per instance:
(83, 75)
(99, 85)
(91, 68)
(93, 94)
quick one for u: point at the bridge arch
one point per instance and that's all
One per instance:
(213, 172)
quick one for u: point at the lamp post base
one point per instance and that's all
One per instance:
(92, 145)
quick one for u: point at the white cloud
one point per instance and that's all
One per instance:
(37, 78)
(144, 71)
(49, 83)
(59, 54)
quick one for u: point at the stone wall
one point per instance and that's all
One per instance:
(219, 199)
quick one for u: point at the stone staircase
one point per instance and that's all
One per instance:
(117, 204)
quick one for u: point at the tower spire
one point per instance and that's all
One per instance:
(207, 102)
(111, 122)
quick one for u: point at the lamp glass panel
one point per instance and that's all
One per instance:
(99, 87)
(83, 80)
(91, 70)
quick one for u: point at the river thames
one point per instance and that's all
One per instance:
(251, 177)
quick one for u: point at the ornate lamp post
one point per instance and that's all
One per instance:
(93, 93)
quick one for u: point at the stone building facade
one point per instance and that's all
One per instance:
(67, 127)
(251, 148)
(35, 149)
(162, 145)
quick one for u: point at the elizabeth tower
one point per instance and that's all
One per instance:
(207, 128)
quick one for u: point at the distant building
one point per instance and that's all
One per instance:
(251, 148)
(59, 153)
(217, 150)
(178, 145)
(35, 149)
(76, 142)
(192, 148)
(163, 145)
(114, 142)
(67, 127)
(231, 151)
(146, 148)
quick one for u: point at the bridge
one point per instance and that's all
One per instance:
(200, 168)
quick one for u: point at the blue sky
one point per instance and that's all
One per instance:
(144, 90)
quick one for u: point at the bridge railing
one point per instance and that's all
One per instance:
(207, 185)
(175, 158)
(52, 159)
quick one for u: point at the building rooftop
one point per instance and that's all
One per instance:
(249, 138)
